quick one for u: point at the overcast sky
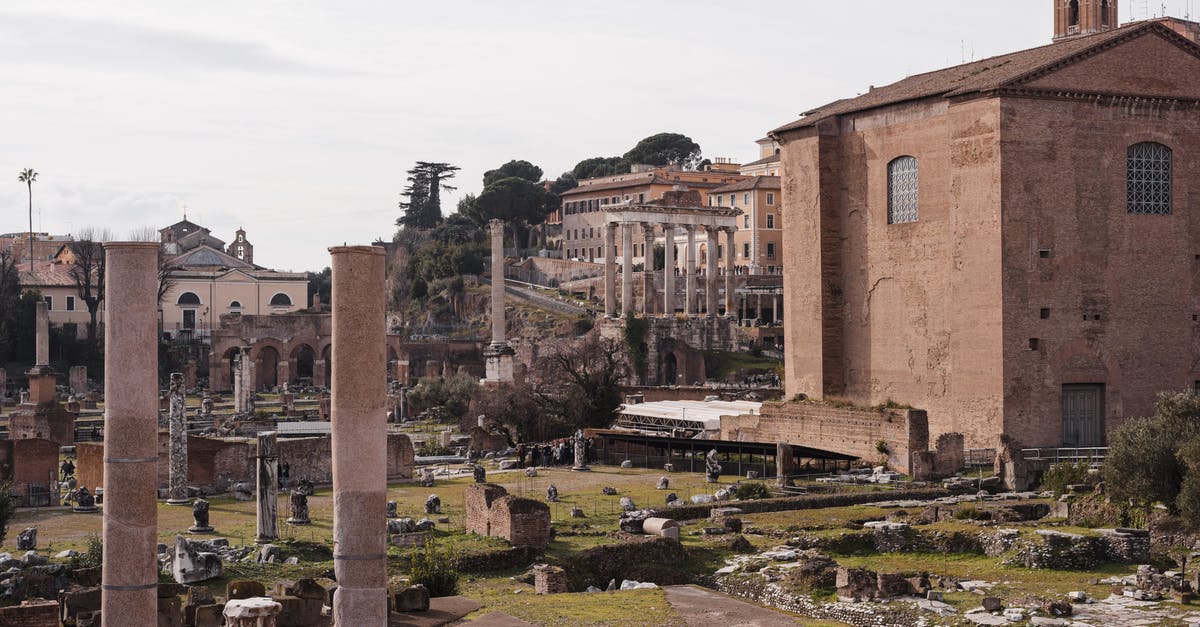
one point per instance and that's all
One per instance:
(297, 121)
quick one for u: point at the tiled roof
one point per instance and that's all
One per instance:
(983, 76)
(754, 182)
(45, 274)
(765, 160)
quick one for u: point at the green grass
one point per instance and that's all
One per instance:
(629, 608)
(722, 364)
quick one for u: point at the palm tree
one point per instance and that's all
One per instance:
(28, 176)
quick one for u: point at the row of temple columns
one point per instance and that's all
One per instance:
(690, 304)
(129, 579)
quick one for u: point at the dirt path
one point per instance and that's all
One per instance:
(705, 607)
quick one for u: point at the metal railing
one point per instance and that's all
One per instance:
(1094, 454)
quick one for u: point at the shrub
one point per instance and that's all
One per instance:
(7, 509)
(1060, 475)
(972, 513)
(436, 569)
(430, 447)
(93, 556)
(749, 491)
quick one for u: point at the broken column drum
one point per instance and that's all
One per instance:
(359, 434)
(177, 458)
(129, 588)
(268, 487)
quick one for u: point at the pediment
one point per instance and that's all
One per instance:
(1156, 63)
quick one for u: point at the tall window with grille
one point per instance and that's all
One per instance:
(902, 190)
(1148, 179)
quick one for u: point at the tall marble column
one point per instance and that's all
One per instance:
(42, 378)
(267, 492)
(689, 284)
(42, 334)
(626, 268)
(359, 437)
(669, 270)
(177, 460)
(610, 270)
(498, 356)
(129, 580)
(649, 294)
(730, 255)
(711, 282)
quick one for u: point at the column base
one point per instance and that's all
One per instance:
(265, 540)
(194, 529)
(179, 501)
(581, 468)
(297, 521)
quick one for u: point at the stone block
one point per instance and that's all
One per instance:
(252, 612)
(212, 615)
(170, 612)
(244, 589)
(855, 584)
(297, 612)
(79, 601)
(411, 599)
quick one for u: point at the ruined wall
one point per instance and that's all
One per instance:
(34, 463)
(491, 511)
(36, 613)
(218, 463)
(523, 522)
(842, 430)
(551, 272)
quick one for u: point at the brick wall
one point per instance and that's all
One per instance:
(523, 522)
(89, 465)
(491, 511)
(842, 430)
(35, 461)
(30, 614)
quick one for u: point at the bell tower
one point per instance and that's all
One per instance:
(1078, 18)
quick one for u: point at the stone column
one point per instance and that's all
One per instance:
(777, 308)
(689, 298)
(669, 270)
(496, 227)
(359, 437)
(177, 461)
(43, 335)
(610, 271)
(267, 492)
(710, 287)
(648, 292)
(129, 588)
(626, 268)
(729, 266)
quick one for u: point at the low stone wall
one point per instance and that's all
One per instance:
(1069, 551)
(808, 501)
(550, 272)
(30, 614)
(640, 558)
(852, 431)
(772, 595)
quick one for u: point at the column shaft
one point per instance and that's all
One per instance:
(627, 268)
(710, 290)
(177, 461)
(129, 591)
(498, 330)
(649, 294)
(689, 281)
(359, 436)
(42, 334)
(610, 271)
(730, 254)
(669, 270)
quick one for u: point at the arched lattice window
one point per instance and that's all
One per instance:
(235, 304)
(188, 298)
(902, 190)
(1073, 13)
(281, 300)
(1104, 21)
(1148, 178)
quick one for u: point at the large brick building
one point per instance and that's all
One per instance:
(1012, 244)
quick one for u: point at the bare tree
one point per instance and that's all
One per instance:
(88, 272)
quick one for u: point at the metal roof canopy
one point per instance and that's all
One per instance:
(722, 446)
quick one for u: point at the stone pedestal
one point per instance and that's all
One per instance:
(253, 612)
(177, 461)
(77, 379)
(267, 488)
(129, 588)
(359, 435)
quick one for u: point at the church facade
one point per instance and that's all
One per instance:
(1012, 245)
